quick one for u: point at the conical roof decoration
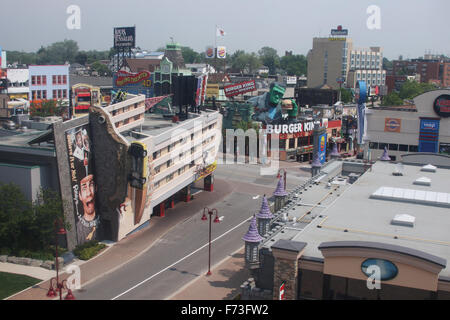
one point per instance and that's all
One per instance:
(252, 234)
(264, 213)
(279, 191)
(385, 156)
(316, 162)
(335, 151)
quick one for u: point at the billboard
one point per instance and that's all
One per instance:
(339, 31)
(125, 37)
(240, 88)
(221, 52)
(134, 83)
(209, 52)
(442, 105)
(83, 185)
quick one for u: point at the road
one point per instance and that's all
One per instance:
(181, 255)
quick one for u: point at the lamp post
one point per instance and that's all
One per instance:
(284, 176)
(60, 231)
(216, 220)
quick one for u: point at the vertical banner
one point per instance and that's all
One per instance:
(204, 84)
(83, 183)
(209, 52)
(322, 150)
(221, 52)
(361, 95)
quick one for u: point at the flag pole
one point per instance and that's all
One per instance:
(215, 48)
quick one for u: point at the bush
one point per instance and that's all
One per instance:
(88, 249)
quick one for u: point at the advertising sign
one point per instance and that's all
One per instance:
(360, 97)
(125, 37)
(83, 185)
(392, 124)
(339, 31)
(322, 147)
(206, 171)
(442, 105)
(281, 291)
(134, 83)
(429, 135)
(240, 88)
(209, 52)
(212, 90)
(294, 127)
(291, 80)
(221, 52)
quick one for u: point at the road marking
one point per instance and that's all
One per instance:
(254, 198)
(185, 257)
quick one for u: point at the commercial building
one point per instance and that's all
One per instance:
(116, 167)
(446, 75)
(18, 83)
(422, 127)
(366, 65)
(48, 82)
(427, 69)
(356, 230)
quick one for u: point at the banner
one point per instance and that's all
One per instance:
(392, 124)
(240, 88)
(82, 178)
(322, 150)
(361, 96)
(150, 102)
(209, 52)
(221, 52)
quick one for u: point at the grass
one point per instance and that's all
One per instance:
(11, 283)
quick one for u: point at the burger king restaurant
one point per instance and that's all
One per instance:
(421, 127)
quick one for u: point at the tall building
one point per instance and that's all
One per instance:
(427, 69)
(328, 61)
(366, 64)
(446, 75)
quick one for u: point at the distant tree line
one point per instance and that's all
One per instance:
(409, 90)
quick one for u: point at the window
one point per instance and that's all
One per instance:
(44, 80)
(33, 80)
(169, 163)
(33, 95)
(402, 147)
(382, 145)
(291, 143)
(39, 94)
(413, 149)
(44, 94)
(64, 79)
(65, 94)
(54, 94)
(157, 169)
(373, 145)
(156, 154)
(59, 94)
(393, 147)
(192, 136)
(38, 80)
(59, 80)
(53, 79)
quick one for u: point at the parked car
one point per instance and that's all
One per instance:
(8, 124)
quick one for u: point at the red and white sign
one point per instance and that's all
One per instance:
(239, 88)
(124, 78)
(281, 296)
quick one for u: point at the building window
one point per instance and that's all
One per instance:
(44, 94)
(64, 94)
(33, 80)
(291, 143)
(393, 146)
(54, 94)
(156, 154)
(53, 79)
(44, 80)
(39, 94)
(64, 79)
(413, 149)
(38, 80)
(373, 145)
(59, 80)
(382, 145)
(402, 147)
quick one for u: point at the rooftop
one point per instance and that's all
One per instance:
(348, 213)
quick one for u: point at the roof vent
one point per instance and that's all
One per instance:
(398, 169)
(423, 181)
(403, 220)
(428, 168)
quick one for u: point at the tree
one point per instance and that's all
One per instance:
(294, 65)
(387, 65)
(269, 58)
(346, 95)
(245, 62)
(190, 56)
(411, 89)
(47, 108)
(102, 69)
(392, 99)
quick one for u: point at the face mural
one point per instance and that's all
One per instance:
(83, 183)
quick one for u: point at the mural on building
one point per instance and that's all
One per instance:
(83, 183)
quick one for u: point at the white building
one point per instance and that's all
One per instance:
(49, 82)
(366, 64)
(18, 83)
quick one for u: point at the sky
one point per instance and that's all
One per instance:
(407, 27)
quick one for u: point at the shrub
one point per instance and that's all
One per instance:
(88, 249)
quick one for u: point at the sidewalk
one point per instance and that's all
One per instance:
(134, 245)
(223, 283)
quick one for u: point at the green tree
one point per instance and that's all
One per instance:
(295, 65)
(392, 99)
(245, 62)
(269, 58)
(387, 65)
(190, 56)
(346, 95)
(411, 89)
(102, 69)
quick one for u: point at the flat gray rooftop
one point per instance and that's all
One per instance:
(17, 138)
(354, 216)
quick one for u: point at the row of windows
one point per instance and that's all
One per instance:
(171, 176)
(172, 146)
(393, 147)
(42, 94)
(42, 80)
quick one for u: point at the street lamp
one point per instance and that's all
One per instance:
(216, 220)
(60, 231)
(284, 176)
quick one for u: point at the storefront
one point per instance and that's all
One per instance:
(422, 127)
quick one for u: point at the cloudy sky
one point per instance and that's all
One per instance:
(408, 27)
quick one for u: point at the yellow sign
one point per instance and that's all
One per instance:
(212, 89)
(203, 172)
(337, 39)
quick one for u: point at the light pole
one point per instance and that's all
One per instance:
(216, 220)
(60, 231)
(284, 176)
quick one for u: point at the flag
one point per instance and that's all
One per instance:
(220, 32)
